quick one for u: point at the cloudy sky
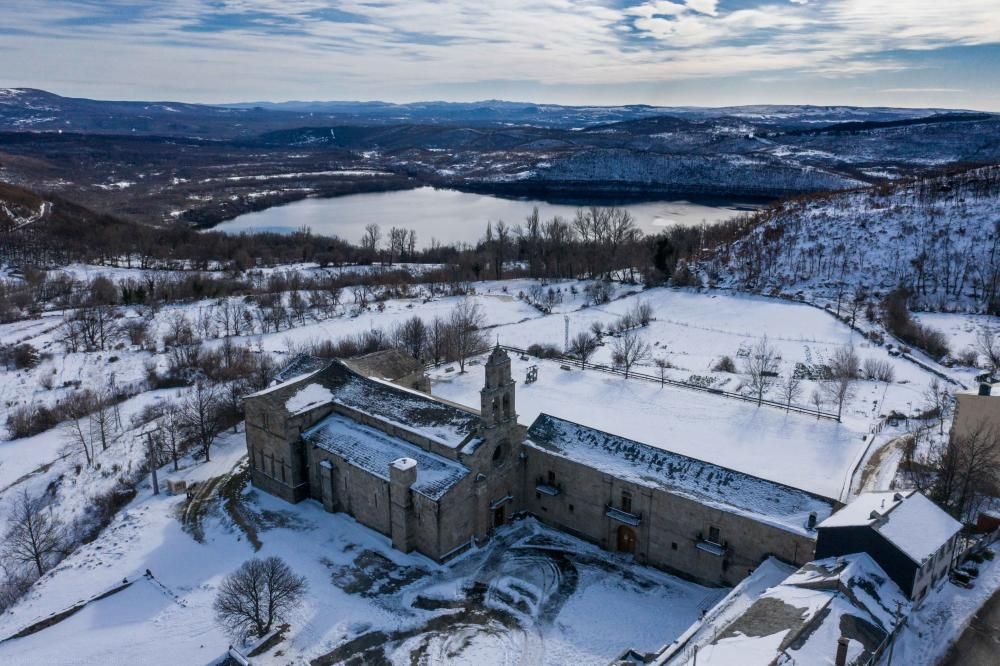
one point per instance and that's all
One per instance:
(698, 52)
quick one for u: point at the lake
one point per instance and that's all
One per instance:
(450, 216)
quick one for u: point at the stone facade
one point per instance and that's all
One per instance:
(662, 529)
(438, 494)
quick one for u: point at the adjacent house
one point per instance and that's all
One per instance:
(909, 536)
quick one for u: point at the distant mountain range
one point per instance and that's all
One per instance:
(37, 110)
(157, 162)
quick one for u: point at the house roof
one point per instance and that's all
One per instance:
(919, 528)
(805, 616)
(726, 489)
(388, 364)
(374, 451)
(908, 520)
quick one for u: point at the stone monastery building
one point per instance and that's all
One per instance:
(438, 478)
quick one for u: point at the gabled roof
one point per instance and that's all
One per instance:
(726, 489)
(919, 528)
(908, 520)
(374, 451)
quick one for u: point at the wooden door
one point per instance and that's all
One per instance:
(626, 539)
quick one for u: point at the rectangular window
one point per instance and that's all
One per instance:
(264, 419)
(626, 501)
(552, 478)
(282, 469)
(714, 535)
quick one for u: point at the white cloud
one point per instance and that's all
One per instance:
(369, 48)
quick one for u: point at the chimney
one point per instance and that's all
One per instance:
(842, 644)
(985, 389)
(812, 520)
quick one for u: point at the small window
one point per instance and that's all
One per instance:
(626, 501)
(571, 508)
(264, 418)
(282, 469)
(673, 545)
(714, 535)
(498, 454)
(552, 478)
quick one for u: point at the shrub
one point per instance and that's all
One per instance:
(544, 351)
(725, 364)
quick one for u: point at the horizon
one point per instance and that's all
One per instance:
(526, 102)
(684, 53)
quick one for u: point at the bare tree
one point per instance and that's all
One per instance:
(844, 368)
(170, 433)
(437, 340)
(465, 337)
(200, 415)
(662, 364)
(33, 535)
(817, 400)
(412, 336)
(988, 345)
(583, 345)
(939, 402)
(629, 349)
(257, 595)
(371, 238)
(965, 470)
(78, 407)
(791, 389)
(762, 367)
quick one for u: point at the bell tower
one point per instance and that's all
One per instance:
(497, 396)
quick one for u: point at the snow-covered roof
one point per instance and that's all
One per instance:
(406, 409)
(919, 528)
(299, 369)
(374, 451)
(805, 616)
(726, 489)
(908, 520)
(859, 512)
(307, 397)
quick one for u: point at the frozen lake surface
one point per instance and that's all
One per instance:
(450, 216)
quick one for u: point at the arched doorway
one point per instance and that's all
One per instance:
(626, 539)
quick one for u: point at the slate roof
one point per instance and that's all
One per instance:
(388, 364)
(374, 451)
(417, 412)
(802, 619)
(726, 489)
(301, 365)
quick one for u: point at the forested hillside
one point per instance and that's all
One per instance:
(937, 238)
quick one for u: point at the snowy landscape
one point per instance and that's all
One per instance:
(519, 333)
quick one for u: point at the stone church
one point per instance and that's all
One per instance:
(438, 478)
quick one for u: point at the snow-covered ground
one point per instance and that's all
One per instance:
(544, 598)
(692, 330)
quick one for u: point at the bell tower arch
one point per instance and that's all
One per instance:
(497, 407)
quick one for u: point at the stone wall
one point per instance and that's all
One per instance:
(673, 532)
